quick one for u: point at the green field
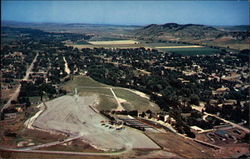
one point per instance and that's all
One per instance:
(101, 38)
(134, 101)
(87, 86)
(83, 81)
(191, 51)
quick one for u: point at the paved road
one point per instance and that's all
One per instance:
(226, 121)
(26, 77)
(119, 152)
(68, 152)
(229, 122)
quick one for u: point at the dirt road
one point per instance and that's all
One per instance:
(26, 77)
(119, 107)
(67, 70)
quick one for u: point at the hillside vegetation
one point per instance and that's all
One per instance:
(196, 34)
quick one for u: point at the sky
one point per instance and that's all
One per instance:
(131, 12)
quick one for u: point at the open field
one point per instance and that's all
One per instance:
(114, 42)
(238, 46)
(111, 43)
(72, 115)
(133, 101)
(83, 81)
(191, 51)
(180, 146)
(81, 46)
(176, 47)
(130, 99)
(183, 49)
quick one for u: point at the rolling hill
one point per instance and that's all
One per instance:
(179, 31)
(231, 37)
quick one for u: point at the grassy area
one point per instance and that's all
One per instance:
(134, 101)
(191, 51)
(87, 86)
(106, 38)
(82, 81)
(106, 103)
(98, 90)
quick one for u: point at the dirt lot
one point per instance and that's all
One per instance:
(7, 93)
(72, 114)
(180, 146)
(73, 146)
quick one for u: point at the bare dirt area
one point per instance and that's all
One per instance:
(7, 93)
(39, 137)
(180, 146)
(156, 154)
(234, 151)
(11, 130)
(73, 115)
(73, 146)
(30, 155)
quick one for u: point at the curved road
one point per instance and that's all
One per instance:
(119, 152)
(229, 122)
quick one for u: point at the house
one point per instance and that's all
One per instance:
(9, 116)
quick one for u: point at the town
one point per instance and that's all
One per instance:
(202, 98)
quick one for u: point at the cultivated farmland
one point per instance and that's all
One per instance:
(114, 42)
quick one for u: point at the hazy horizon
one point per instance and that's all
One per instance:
(141, 13)
(65, 23)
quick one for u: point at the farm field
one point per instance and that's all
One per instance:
(182, 49)
(114, 42)
(110, 43)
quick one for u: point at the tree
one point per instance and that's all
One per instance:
(194, 99)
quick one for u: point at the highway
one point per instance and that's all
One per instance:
(16, 93)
